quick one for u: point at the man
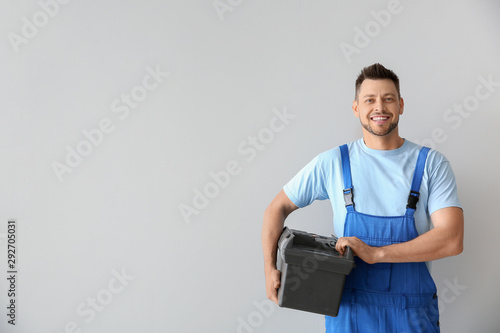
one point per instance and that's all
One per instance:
(394, 203)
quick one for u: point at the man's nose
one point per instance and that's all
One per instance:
(379, 105)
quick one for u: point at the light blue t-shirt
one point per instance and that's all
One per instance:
(381, 183)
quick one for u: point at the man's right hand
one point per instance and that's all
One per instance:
(273, 282)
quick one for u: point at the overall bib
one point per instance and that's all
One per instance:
(385, 297)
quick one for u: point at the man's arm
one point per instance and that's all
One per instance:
(274, 220)
(444, 240)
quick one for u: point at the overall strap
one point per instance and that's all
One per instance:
(346, 174)
(417, 180)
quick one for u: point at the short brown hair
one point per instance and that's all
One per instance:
(376, 72)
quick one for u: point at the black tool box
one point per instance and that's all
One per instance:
(312, 272)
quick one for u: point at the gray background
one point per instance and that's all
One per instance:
(119, 209)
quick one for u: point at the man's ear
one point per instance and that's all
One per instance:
(401, 106)
(355, 108)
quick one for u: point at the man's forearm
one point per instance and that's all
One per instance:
(446, 239)
(432, 245)
(274, 221)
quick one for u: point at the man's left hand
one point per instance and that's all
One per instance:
(368, 254)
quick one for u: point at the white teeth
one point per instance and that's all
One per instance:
(379, 118)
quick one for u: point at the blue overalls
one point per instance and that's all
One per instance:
(385, 297)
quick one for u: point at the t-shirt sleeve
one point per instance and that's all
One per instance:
(307, 185)
(442, 188)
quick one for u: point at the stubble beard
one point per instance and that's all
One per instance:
(370, 129)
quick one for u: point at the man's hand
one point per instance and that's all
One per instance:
(368, 254)
(273, 282)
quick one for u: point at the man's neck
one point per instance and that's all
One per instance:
(387, 142)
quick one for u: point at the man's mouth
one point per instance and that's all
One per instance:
(379, 119)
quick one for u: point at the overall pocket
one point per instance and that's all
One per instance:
(378, 276)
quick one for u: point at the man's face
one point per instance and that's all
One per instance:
(378, 107)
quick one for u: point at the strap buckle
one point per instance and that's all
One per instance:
(348, 197)
(413, 199)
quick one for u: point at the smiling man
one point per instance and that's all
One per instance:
(394, 203)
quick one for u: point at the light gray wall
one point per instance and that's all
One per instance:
(232, 67)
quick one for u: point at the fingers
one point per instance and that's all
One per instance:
(344, 242)
(358, 248)
(277, 284)
(273, 285)
(272, 293)
(274, 296)
(340, 246)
